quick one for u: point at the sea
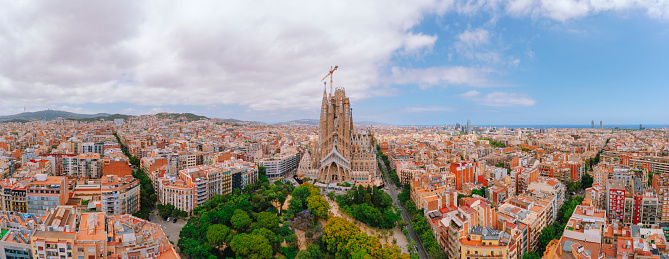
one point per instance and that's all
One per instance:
(576, 126)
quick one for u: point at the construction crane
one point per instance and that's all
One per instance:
(330, 75)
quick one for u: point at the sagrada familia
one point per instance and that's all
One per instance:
(341, 153)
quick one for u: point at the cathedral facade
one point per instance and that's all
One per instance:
(342, 154)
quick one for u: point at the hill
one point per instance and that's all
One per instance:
(105, 118)
(302, 122)
(48, 115)
(176, 116)
(312, 122)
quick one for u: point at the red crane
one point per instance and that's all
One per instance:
(330, 75)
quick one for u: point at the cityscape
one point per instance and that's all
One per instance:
(412, 130)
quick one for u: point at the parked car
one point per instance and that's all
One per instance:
(168, 219)
(174, 221)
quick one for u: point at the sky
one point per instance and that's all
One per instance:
(423, 62)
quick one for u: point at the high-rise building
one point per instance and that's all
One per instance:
(592, 124)
(469, 126)
(342, 152)
(601, 126)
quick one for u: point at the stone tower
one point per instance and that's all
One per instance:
(336, 126)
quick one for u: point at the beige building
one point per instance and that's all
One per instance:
(120, 195)
(69, 234)
(485, 242)
(341, 150)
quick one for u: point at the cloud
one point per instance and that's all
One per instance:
(441, 76)
(428, 108)
(563, 10)
(476, 37)
(471, 94)
(261, 55)
(502, 99)
(476, 45)
(416, 42)
(499, 99)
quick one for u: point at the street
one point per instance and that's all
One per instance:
(171, 229)
(392, 190)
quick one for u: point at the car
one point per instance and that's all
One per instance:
(573, 193)
(174, 221)
(168, 219)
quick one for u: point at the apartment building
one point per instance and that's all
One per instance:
(660, 184)
(583, 235)
(485, 242)
(14, 194)
(521, 179)
(67, 233)
(550, 186)
(653, 164)
(597, 196)
(17, 229)
(451, 227)
(176, 192)
(119, 195)
(465, 172)
(92, 147)
(194, 186)
(615, 200)
(55, 237)
(280, 165)
(649, 209)
(526, 216)
(426, 185)
(46, 192)
(638, 192)
(406, 171)
(151, 164)
(87, 165)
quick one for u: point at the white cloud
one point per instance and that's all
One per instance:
(499, 99)
(416, 42)
(475, 37)
(441, 76)
(471, 94)
(476, 45)
(262, 55)
(428, 108)
(563, 10)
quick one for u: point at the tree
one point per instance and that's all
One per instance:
(269, 235)
(360, 254)
(218, 234)
(336, 234)
(362, 241)
(586, 181)
(313, 251)
(573, 186)
(240, 220)
(268, 220)
(531, 255)
(251, 246)
(318, 206)
(401, 224)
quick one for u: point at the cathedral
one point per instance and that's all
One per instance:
(341, 154)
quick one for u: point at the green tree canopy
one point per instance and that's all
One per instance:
(251, 246)
(313, 251)
(218, 234)
(240, 220)
(318, 206)
(268, 220)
